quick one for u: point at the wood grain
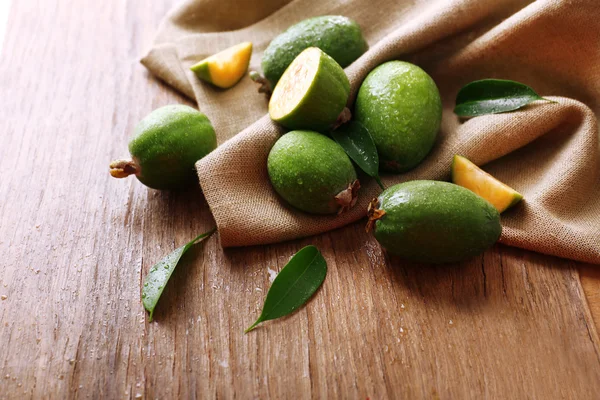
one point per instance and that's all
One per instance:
(590, 280)
(75, 245)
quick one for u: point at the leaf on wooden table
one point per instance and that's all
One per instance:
(493, 96)
(294, 285)
(159, 274)
(357, 142)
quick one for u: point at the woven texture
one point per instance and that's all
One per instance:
(548, 152)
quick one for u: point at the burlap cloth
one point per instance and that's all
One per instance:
(548, 152)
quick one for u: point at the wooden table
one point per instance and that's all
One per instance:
(75, 245)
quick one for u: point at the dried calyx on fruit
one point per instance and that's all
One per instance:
(373, 213)
(347, 197)
(123, 168)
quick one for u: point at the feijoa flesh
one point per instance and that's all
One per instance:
(225, 68)
(338, 36)
(470, 176)
(311, 94)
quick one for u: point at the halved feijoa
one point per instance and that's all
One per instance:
(312, 173)
(311, 93)
(226, 68)
(470, 176)
(338, 36)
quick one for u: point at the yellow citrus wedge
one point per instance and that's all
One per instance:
(225, 68)
(470, 176)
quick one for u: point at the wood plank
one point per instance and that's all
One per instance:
(590, 281)
(4, 9)
(76, 244)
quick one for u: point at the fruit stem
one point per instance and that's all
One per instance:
(374, 214)
(265, 85)
(347, 197)
(345, 116)
(123, 168)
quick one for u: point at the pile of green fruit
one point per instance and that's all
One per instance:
(399, 111)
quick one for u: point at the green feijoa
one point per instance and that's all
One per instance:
(338, 36)
(433, 222)
(312, 173)
(311, 94)
(400, 106)
(165, 146)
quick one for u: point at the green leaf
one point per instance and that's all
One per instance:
(159, 274)
(294, 285)
(493, 96)
(357, 142)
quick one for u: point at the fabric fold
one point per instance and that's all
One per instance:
(547, 151)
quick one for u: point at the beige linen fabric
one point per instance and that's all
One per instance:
(548, 152)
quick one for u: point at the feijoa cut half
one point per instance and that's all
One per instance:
(225, 68)
(470, 176)
(338, 36)
(311, 94)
